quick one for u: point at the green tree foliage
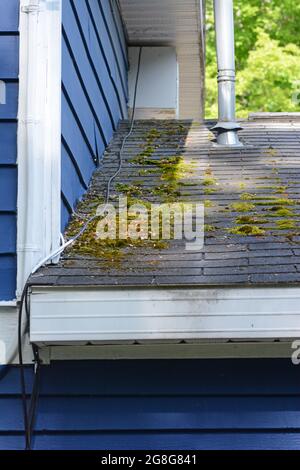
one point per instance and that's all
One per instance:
(267, 56)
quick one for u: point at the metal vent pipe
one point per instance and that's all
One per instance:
(227, 127)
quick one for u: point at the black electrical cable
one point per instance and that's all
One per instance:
(30, 414)
(35, 393)
(21, 366)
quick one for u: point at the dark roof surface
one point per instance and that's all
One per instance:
(252, 198)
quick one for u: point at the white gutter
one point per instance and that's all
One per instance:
(77, 315)
(227, 126)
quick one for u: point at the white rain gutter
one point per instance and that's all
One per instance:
(227, 127)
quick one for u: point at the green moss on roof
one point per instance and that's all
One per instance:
(247, 230)
(242, 206)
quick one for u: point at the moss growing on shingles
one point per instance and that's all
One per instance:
(89, 203)
(149, 150)
(176, 130)
(110, 250)
(273, 201)
(208, 204)
(171, 170)
(209, 181)
(168, 192)
(129, 189)
(280, 189)
(249, 220)
(149, 171)
(247, 196)
(175, 169)
(208, 191)
(242, 185)
(271, 151)
(287, 224)
(242, 206)
(247, 230)
(209, 228)
(153, 134)
(275, 189)
(281, 212)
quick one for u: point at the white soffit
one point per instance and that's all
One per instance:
(172, 23)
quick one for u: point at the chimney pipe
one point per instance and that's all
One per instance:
(227, 126)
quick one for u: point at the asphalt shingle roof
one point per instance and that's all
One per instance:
(262, 180)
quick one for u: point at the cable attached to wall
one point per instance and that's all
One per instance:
(29, 413)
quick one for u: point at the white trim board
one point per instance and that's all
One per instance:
(117, 315)
(39, 134)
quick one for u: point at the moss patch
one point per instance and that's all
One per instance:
(242, 206)
(209, 228)
(281, 212)
(248, 220)
(209, 181)
(129, 189)
(208, 204)
(111, 250)
(287, 224)
(208, 191)
(248, 230)
(247, 196)
(280, 189)
(272, 201)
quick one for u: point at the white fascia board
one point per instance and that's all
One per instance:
(39, 134)
(103, 315)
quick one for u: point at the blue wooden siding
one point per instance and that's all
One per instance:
(94, 90)
(211, 404)
(9, 71)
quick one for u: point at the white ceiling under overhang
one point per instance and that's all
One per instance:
(177, 23)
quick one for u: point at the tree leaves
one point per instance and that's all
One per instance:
(267, 57)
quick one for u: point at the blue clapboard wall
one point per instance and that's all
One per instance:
(94, 90)
(192, 404)
(9, 71)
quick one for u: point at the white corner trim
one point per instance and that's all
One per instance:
(39, 134)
